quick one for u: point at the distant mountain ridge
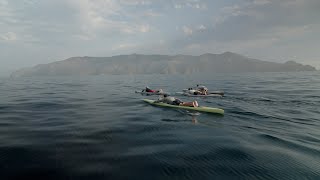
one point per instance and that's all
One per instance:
(227, 62)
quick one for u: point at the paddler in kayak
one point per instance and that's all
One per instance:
(202, 90)
(201, 87)
(147, 89)
(175, 101)
(199, 91)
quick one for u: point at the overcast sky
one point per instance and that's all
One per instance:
(42, 31)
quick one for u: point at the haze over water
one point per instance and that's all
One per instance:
(96, 127)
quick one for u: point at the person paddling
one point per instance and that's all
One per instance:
(175, 101)
(202, 90)
(147, 89)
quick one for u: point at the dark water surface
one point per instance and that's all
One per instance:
(96, 127)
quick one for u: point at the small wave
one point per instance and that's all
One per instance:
(289, 145)
(248, 114)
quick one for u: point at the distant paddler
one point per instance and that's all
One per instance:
(199, 90)
(148, 90)
(202, 90)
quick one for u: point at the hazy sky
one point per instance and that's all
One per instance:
(42, 31)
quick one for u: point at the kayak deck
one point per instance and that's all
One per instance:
(199, 109)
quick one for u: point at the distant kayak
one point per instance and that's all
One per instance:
(199, 109)
(221, 93)
(193, 95)
(199, 95)
(150, 93)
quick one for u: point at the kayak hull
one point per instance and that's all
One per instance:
(209, 95)
(199, 109)
(192, 95)
(149, 93)
(221, 93)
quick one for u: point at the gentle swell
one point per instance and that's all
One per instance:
(96, 127)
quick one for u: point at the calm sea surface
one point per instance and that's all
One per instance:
(96, 127)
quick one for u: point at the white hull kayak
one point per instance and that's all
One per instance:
(221, 93)
(149, 93)
(192, 95)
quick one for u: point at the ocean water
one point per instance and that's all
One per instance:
(96, 127)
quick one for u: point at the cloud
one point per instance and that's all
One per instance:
(267, 29)
(78, 20)
(6, 14)
(63, 28)
(144, 28)
(29, 2)
(9, 36)
(3, 2)
(135, 2)
(201, 28)
(178, 6)
(282, 32)
(233, 10)
(194, 4)
(151, 13)
(187, 31)
(261, 2)
(109, 17)
(95, 14)
(83, 37)
(124, 46)
(258, 16)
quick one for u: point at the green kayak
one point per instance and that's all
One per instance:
(200, 108)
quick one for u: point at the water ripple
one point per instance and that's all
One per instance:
(96, 127)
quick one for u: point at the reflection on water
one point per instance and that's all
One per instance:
(194, 120)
